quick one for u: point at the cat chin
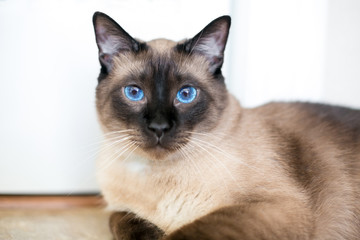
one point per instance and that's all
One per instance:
(156, 153)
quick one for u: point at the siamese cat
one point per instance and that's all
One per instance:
(183, 160)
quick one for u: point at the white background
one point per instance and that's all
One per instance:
(278, 50)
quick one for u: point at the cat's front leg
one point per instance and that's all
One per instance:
(254, 221)
(127, 226)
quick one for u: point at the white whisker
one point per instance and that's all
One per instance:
(103, 145)
(111, 159)
(105, 135)
(213, 157)
(116, 155)
(214, 163)
(185, 151)
(130, 153)
(219, 136)
(226, 154)
(108, 137)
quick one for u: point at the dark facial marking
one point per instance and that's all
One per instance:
(159, 119)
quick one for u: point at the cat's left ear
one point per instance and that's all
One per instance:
(210, 42)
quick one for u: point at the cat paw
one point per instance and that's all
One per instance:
(127, 226)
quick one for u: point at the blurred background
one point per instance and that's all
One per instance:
(305, 50)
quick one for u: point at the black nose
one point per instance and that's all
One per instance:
(159, 127)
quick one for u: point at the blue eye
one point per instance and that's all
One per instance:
(134, 93)
(186, 94)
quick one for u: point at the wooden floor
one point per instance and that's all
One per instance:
(53, 217)
(53, 202)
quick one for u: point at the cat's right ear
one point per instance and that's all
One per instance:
(111, 40)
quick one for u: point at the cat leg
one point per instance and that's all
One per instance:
(127, 226)
(254, 221)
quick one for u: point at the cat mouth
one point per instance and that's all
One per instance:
(162, 144)
(159, 144)
(158, 151)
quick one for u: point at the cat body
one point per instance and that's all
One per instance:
(183, 160)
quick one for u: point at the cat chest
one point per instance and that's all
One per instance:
(167, 202)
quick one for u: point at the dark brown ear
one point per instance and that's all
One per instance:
(210, 42)
(111, 39)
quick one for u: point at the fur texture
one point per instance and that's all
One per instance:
(212, 169)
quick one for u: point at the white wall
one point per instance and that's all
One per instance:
(296, 50)
(342, 56)
(48, 71)
(48, 76)
(283, 50)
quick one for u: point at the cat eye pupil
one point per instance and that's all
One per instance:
(186, 95)
(133, 93)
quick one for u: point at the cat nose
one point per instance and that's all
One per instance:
(159, 128)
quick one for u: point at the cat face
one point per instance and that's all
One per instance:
(157, 93)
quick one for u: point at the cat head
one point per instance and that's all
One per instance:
(154, 95)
